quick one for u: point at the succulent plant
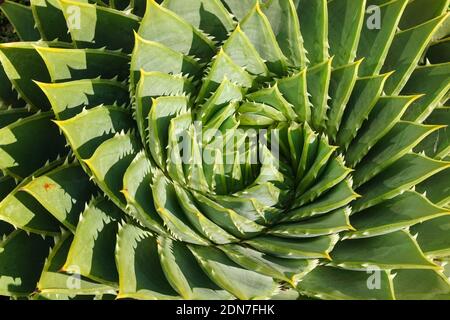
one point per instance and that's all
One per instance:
(334, 182)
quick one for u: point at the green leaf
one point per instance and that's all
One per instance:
(321, 157)
(21, 17)
(93, 27)
(180, 36)
(89, 129)
(337, 284)
(155, 84)
(109, 163)
(206, 227)
(294, 90)
(441, 33)
(239, 8)
(342, 82)
(225, 94)
(79, 64)
(437, 53)
(400, 140)
(226, 218)
(167, 206)
(333, 222)
(375, 40)
(318, 78)
(437, 145)
(8, 95)
(23, 211)
(403, 174)
(400, 212)
(273, 97)
(256, 203)
(433, 236)
(64, 192)
(258, 118)
(313, 17)
(383, 117)
(396, 250)
(54, 283)
(405, 52)
(162, 111)
(210, 16)
(136, 189)
(434, 90)
(345, 22)
(177, 133)
(293, 140)
(153, 56)
(10, 116)
(420, 11)
(437, 188)
(258, 114)
(22, 64)
(193, 160)
(334, 172)
(303, 144)
(364, 97)
(70, 98)
(92, 250)
(240, 49)
(184, 274)
(49, 20)
(337, 197)
(289, 270)
(136, 254)
(445, 264)
(26, 145)
(223, 68)
(421, 285)
(69, 297)
(283, 18)
(22, 257)
(307, 248)
(242, 283)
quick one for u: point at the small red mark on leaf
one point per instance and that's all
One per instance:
(48, 186)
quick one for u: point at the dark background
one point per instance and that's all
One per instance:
(6, 30)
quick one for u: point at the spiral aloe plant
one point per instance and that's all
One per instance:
(225, 149)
